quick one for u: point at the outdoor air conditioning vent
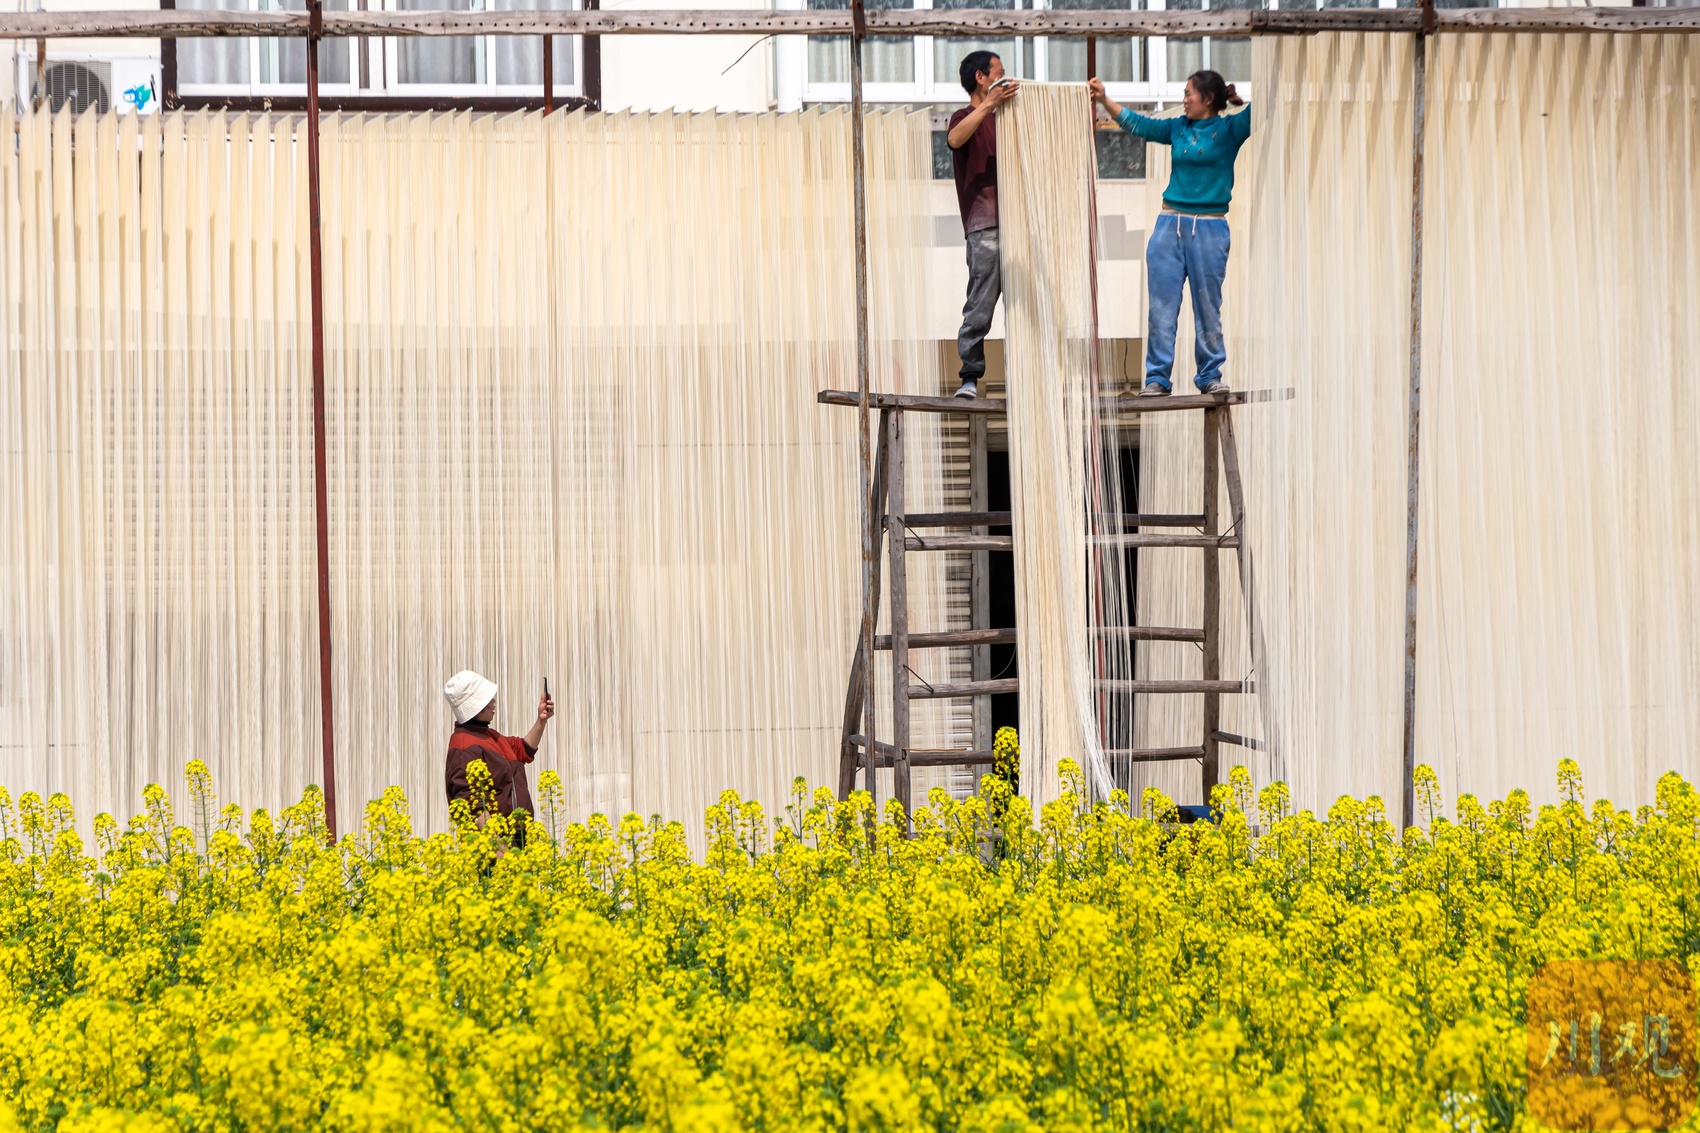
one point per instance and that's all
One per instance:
(79, 86)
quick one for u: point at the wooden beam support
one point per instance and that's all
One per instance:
(1231, 688)
(979, 579)
(960, 543)
(1111, 407)
(951, 758)
(1212, 600)
(1151, 633)
(952, 638)
(899, 616)
(943, 758)
(961, 518)
(1152, 754)
(1152, 520)
(1207, 540)
(987, 406)
(187, 23)
(855, 697)
(971, 688)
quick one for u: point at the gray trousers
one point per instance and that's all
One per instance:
(984, 287)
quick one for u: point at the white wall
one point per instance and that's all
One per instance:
(1125, 210)
(686, 72)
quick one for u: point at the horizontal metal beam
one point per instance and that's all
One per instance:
(373, 104)
(188, 24)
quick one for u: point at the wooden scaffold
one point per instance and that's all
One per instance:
(862, 752)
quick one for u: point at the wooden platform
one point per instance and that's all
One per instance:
(996, 407)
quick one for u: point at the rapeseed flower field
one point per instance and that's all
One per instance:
(1093, 967)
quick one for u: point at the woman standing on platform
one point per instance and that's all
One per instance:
(1189, 242)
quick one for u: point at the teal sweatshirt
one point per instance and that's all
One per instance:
(1201, 178)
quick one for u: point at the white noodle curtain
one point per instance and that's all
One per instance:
(571, 367)
(1559, 607)
(1071, 589)
(1560, 541)
(1319, 294)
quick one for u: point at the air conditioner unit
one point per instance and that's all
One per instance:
(79, 86)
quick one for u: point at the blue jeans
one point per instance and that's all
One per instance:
(1186, 249)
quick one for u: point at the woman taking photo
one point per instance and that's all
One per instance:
(1189, 242)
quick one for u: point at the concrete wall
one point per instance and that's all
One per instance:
(702, 72)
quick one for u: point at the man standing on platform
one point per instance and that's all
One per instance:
(973, 142)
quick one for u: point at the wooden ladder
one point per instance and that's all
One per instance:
(905, 535)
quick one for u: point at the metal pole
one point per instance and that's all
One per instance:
(321, 506)
(592, 59)
(168, 65)
(1419, 84)
(859, 30)
(548, 75)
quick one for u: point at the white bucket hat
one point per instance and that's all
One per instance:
(468, 693)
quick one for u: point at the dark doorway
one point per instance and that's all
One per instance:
(1006, 708)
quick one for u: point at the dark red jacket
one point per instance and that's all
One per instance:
(505, 756)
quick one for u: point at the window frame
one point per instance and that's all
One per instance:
(382, 68)
(794, 89)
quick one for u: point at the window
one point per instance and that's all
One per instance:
(453, 67)
(259, 62)
(925, 69)
(1119, 60)
(884, 60)
(1121, 156)
(1017, 54)
(1228, 55)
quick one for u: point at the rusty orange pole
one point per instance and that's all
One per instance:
(321, 503)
